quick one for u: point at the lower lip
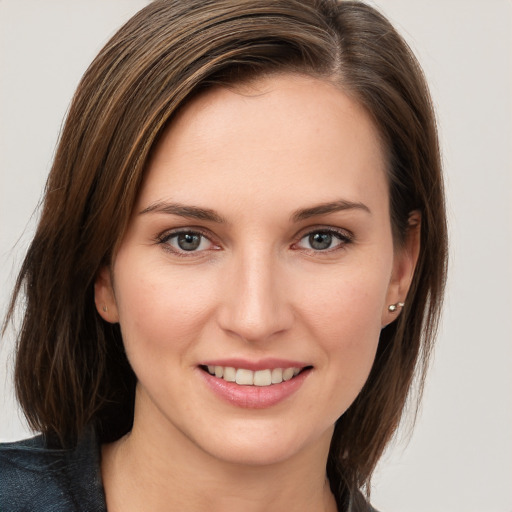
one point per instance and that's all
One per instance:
(254, 397)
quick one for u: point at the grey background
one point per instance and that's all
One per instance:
(459, 457)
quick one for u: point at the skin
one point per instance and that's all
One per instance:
(255, 288)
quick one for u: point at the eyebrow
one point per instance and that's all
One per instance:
(325, 208)
(195, 212)
(189, 212)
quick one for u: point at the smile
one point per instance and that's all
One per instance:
(265, 385)
(245, 377)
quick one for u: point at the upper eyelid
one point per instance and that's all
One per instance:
(301, 233)
(168, 233)
(345, 233)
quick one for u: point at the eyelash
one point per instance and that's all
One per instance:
(344, 238)
(165, 238)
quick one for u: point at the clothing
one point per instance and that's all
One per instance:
(34, 478)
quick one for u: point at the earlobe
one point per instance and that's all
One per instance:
(104, 297)
(404, 265)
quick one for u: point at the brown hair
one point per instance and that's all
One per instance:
(71, 370)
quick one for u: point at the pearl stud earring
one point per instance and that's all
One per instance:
(394, 307)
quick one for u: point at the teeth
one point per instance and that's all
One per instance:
(277, 375)
(287, 374)
(245, 377)
(263, 378)
(229, 374)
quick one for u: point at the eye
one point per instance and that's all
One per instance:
(323, 240)
(186, 242)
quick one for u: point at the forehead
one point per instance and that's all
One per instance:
(279, 137)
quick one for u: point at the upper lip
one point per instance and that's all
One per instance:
(261, 364)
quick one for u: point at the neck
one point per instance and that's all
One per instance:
(160, 469)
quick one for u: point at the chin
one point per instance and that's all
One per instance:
(273, 445)
(254, 453)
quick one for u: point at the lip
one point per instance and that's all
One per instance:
(253, 397)
(262, 364)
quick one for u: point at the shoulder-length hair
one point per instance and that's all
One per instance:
(71, 369)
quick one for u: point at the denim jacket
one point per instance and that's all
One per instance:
(34, 478)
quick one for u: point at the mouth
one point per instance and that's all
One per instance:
(260, 378)
(254, 384)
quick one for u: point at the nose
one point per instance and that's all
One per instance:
(255, 305)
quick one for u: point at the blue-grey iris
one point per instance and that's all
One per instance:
(188, 241)
(320, 241)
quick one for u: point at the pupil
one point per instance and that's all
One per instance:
(189, 241)
(320, 241)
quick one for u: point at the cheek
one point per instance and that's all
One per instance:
(160, 310)
(343, 313)
(345, 302)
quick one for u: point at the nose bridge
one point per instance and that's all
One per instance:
(256, 305)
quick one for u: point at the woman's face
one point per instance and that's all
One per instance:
(260, 246)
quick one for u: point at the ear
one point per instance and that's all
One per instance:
(104, 297)
(404, 264)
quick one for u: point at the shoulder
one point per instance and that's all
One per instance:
(35, 477)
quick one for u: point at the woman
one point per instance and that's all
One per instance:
(239, 264)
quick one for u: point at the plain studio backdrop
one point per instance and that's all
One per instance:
(459, 457)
